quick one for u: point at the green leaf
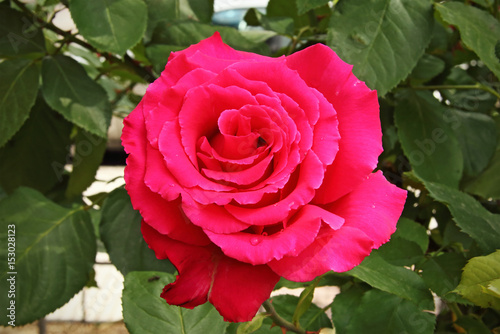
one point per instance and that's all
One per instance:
(470, 216)
(55, 249)
(477, 135)
(18, 34)
(158, 55)
(305, 301)
(89, 151)
(409, 230)
(120, 231)
(477, 276)
(36, 155)
(472, 325)
(312, 320)
(478, 29)
(382, 39)
(400, 252)
(287, 8)
(427, 68)
(110, 25)
(488, 183)
(400, 281)
(380, 312)
(185, 33)
(253, 325)
(494, 288)
(144, 311)
(304, 6)
(442, 273)
(68, 89)
(427, 139)
(203, 9)
(344, 306)
(18, 90)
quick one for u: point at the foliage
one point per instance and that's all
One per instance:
(435, 66)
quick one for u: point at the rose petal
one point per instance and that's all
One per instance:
(163, 215)
(373, 207)
(339, 250)
(260, 249)
(235, 289)
(357, 112)
(310, 177)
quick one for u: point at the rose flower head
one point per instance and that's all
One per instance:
(247, 168)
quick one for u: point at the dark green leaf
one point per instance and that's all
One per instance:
(18, 34)
(68, 89)
(144, 311)
(112, 25)
(427, 139)
(409, 230)
(470, 215)
(478, 29)
(478, 274)
(89, 151)
(185, 33)
(497, 50)
(282, 25)
(120, 232)
(344, 306)
(203, 9)
(427, 68)
(36, 155)
(158, 55)
(400, 281)
(400, 252)
(160, 11)
(304, 6)
(442, 273)
(477, 135)
(287, 8)
(488, 183)
(473, 325)
(18, 89)
(55, 249)
(382, 39)
(312, 320)
(380, 312)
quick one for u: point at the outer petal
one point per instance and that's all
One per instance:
(235, 289)
(165, 216)
(358, 114)
(339, 250)
(374, 207)
(260, 249)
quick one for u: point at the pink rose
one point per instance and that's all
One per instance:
(247, 168)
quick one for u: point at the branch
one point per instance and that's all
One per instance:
(476, 86)
(278, 320)
(144, 73)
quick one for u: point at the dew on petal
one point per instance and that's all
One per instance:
(254, 241)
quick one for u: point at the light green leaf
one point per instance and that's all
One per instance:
(305, 301)
(400, 281)
(479, 30)
(55, 249)
(18, 89)
(89, 151)
(427, 139)
(312, 320)
(494, 288)
(382, 39)
(19, 34)
(304, 6)
(120, 231)
(477, 135)
(36, 155)
(144, 311)
(253, 325)
(479, 273)
(380, 312)
(110, 25)
(470, 216)
(68, 89)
